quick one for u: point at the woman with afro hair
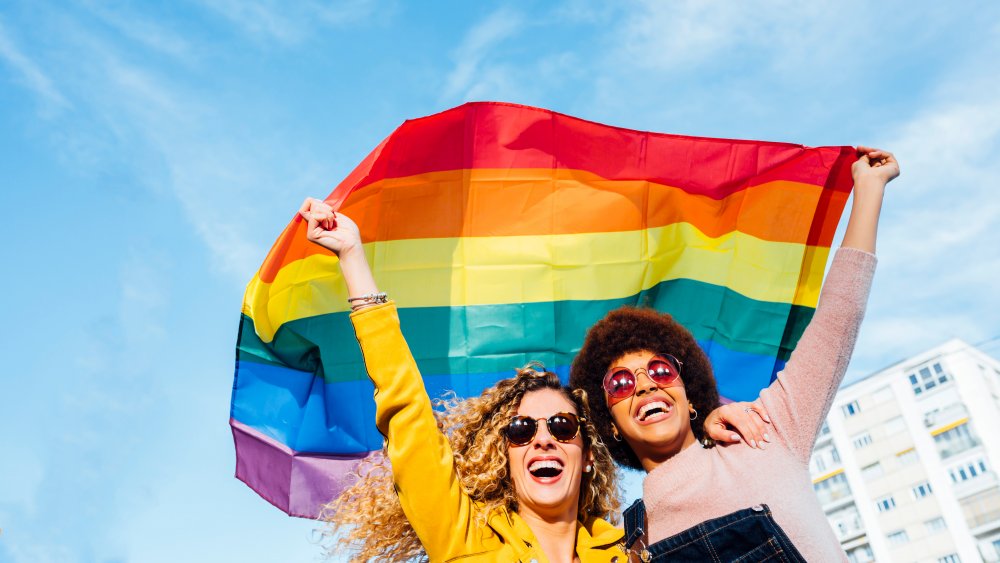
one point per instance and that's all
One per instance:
(647, 381)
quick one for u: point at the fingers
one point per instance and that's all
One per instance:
(750, 426)
(314, 209)
(329, 223)
(722, 434)
(758, 407)
(304, 208)
(313, 231)
(747, 421)
(876, 157)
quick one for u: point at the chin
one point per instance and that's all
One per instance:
(547, 498)
(665, 432)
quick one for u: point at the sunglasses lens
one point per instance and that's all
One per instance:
(521, 430)
(662, 370)
(563, 427)
(619, 383)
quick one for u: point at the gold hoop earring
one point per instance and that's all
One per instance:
(694, 413)
(614, 433)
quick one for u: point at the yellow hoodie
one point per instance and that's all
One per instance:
(443, 516)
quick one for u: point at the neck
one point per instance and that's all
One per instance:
(652, 460)
(556, 533)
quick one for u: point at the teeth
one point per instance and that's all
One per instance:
(545, 464)
(644, 410)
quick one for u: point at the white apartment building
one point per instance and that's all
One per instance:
(906, 463)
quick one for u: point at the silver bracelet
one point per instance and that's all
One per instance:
(368, 299)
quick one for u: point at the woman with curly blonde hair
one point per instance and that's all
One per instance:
(517, 474)
(475, 428)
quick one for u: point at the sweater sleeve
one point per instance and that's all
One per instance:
(801, 396)
(423, 469)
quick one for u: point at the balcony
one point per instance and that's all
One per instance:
(847, 531)
(860, 554)
(833, 494)
(824, 435)
(947, 415)
(955, 438)
(977, 519)
(957, 446)
(982, 509)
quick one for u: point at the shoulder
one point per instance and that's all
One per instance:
(596, 538)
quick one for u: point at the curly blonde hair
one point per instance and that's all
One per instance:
(370, 519)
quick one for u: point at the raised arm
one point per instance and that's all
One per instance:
(872, 171)
(800, 398)
(340, 235)
(423, 470)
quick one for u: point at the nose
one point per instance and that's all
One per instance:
(543, 440)
(643, 383)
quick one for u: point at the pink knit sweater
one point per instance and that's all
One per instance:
(699, 484)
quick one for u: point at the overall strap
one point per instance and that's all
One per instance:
(635, 522)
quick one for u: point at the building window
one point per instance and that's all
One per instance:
(861, 554)
(921, 490)
(820, 464)
(967, 471)
(935, 525)
(907, 457)
(886, 503)
(953, 558)
(927, 378)
(832, 488)
(862, 440)
(898, 537)
(851, 409)
(825, 429)
(835, 455)
(955, 440)
(872, 471)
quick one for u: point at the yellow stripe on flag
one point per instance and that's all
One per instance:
(530, 269)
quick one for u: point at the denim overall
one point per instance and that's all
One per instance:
(746, 535)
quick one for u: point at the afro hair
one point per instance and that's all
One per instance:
(627, 330)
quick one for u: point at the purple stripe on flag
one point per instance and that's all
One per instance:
(296, 482)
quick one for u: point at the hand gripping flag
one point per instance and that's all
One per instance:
(503, 233)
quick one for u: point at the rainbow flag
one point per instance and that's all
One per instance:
(503, 232)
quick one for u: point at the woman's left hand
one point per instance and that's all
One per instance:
(874, 164)
(337, 233)
(733, 422)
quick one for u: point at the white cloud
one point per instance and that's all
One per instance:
(940, 229)
(30, 74)
(289, 22)
(224, 179)
(661, 35)
(144, 31)
(467, 80)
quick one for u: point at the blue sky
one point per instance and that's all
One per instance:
(151, 152)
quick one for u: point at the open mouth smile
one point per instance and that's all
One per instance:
(546, 470)
(653, 410)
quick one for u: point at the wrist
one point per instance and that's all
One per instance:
(870, 188)
(353, 254)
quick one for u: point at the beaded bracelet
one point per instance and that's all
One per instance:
(367, 299)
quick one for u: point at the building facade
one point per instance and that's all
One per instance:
(906, 463)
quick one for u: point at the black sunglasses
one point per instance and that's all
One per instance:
(563, 426)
